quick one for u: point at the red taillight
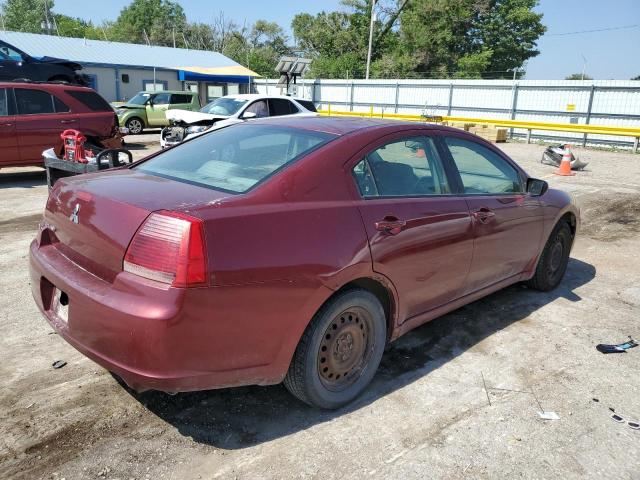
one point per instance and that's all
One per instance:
(169, 248)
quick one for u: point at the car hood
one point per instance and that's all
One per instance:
(61, 61)
(187, 116)
(130, 106)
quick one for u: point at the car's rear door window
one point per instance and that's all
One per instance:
(407, 167)
(482, 171)
(177, 98)
(32, 102)
(60, 106)
(280, 106)
(91, 100)
(308, 104)
(235, 158)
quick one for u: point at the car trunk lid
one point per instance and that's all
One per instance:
(92, 218)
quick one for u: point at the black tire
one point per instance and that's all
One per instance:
(135, 125)
(353, 359)
(554, 259)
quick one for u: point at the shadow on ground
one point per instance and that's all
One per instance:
(23, 179)
(242, 417)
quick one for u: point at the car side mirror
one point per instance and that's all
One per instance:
(536, 187)
(248, 115)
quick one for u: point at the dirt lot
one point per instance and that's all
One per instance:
(426, 415)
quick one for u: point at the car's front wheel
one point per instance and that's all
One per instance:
(554, 259)
(134, 125)
(339, 351)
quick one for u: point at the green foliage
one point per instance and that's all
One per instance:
(24, 15)
(412, 38)
(157, 20)
(578, 76)
(637, 77)
(423, 38)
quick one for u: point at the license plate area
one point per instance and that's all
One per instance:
(60, 305)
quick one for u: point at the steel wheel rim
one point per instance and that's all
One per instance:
(345, 349)
(556, 257)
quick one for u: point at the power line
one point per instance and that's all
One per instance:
(625, 27)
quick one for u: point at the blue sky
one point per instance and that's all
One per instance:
(609, 54)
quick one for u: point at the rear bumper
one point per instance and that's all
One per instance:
(161, 338)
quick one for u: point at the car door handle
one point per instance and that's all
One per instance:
(6, 124)
(391, 227)
(64, 122)
(483, 214)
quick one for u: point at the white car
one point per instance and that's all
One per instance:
(224, 111)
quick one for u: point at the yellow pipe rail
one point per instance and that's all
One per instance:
(527, 125)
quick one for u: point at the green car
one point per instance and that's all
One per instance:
(147, 109)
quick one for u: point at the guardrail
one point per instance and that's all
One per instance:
(526, 125)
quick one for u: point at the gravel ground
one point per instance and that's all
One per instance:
(426, 415)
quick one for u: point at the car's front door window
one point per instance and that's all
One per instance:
(483, 171)
(161, 99)
(4, 106)
(406, 168)
(260, 108)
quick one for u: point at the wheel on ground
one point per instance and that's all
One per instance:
(339, 351)
(135, 125)
(554, 259)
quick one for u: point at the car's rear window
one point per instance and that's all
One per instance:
(91, 100)
(235, 158)
(308, 104)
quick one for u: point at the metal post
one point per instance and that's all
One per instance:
(373, 19)
(117, 71)
(351, 97)
(514, 106)
(635, 145)
(313, 90)
(395, 109)
(450, 100)
(588, 119)
(528, 135)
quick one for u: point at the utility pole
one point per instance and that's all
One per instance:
(173, 33)
(47, 24)
(584, 65)
(373, 19)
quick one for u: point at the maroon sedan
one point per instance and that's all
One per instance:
(288, 250)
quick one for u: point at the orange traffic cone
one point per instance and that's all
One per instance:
(565, 164)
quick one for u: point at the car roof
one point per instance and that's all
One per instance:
(339, 125)
(186, 92)
(44, 85)
(256, 96)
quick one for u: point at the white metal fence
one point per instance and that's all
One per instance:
(598, 102)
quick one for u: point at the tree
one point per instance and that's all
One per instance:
(578, 76)
(637, 77)
(158, 21)
(258, 47)
(423, 38)
(24, 15)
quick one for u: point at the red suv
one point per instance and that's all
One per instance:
(32, 116)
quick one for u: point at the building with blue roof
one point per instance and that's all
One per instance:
(120, 70)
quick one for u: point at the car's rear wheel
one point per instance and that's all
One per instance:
(554, 259)
(339, 351)
(135, 125)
